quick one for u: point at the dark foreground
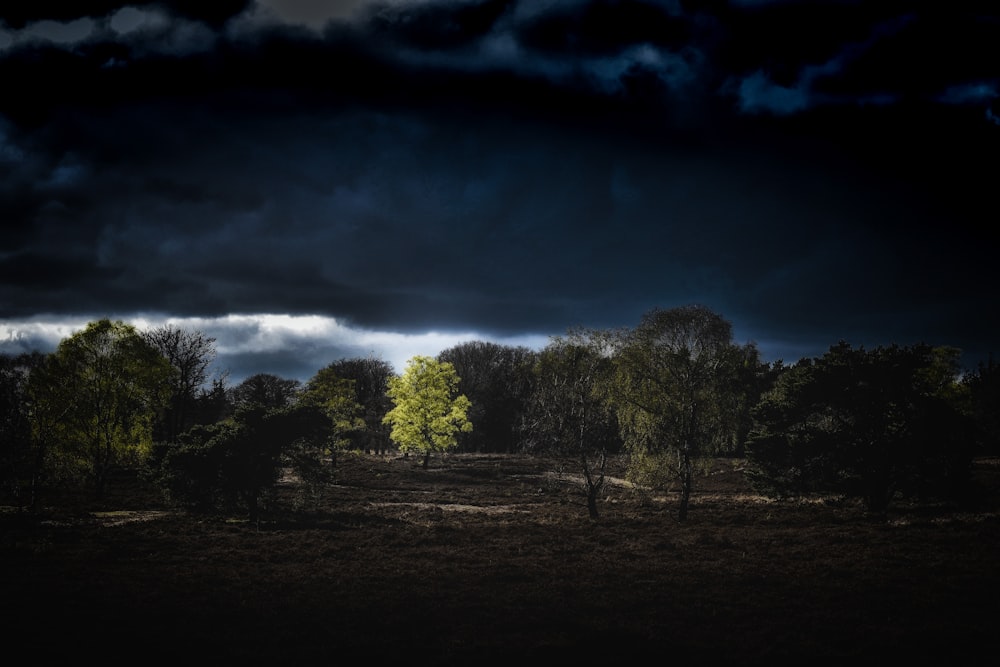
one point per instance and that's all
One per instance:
(493, 560)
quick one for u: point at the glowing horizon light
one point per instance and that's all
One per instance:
(311, 341)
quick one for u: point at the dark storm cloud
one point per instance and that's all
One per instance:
(814, 170)
(215, 13)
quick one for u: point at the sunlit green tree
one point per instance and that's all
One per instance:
(428, 411)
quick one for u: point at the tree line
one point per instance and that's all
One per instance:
(874, 424)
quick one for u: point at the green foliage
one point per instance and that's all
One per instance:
(428, 411)
(871, 424)
(654, 470)
(672, 389)
(370, 376)
(95, 400)
(335, 399)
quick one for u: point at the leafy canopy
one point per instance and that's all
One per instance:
(672, 378)
(870, 424)
(335, 397)
(429, 412)
(334, 400)
(97, 397)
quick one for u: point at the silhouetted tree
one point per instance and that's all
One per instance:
(264, 390)
(191, 353)
(495, 378)
(191, 471)
(871, 424)
(21, 459)
(568, 414)
(235, 464)
(370, 376)
(746, 380)
(212, 404)
(984, 404)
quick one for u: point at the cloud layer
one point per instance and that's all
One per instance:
(290, 346)
(812, 170)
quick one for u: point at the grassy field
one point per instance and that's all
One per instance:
(493, 560)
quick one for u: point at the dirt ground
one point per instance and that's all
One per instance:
(492, 560)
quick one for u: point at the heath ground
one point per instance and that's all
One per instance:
(493, 559)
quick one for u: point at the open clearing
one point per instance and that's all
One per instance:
(489, 559)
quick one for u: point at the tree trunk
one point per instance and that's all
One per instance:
(427, 458)
(594, 486)
(98, 467)
(34, 492)
(686, 484)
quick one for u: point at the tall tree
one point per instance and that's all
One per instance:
(495, 378)
(334, 398)
(568, 414)
(98, 396)
(370, 376)
(748, 378)
(428, 411)
(669, 392)
(191, 353)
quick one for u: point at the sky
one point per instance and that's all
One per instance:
(307, 181)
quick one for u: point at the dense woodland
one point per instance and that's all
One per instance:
(878, 425)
